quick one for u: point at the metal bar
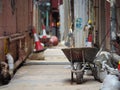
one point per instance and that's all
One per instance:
(113, 23)
(16, 34)
(16, 38)
(76, 71)
(83, 56)
(3, 37)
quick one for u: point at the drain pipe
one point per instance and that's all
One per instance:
(113, 23)
(10, 63)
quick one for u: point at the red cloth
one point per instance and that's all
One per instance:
(90, 38)
(119, 66)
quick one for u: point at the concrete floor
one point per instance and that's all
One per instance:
(53, 73)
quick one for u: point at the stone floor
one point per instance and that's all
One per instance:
(53, 73)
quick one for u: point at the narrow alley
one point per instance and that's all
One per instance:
(53, 73)
(59, 44)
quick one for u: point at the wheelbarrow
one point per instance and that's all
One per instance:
(81, 59)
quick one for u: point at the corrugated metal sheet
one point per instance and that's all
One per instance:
(36, 17)
(107, 25)
(22, 15)
(96, 27)
(7, 21)
(3, 47)
(15, 27)
(101, 21)
(118, 15)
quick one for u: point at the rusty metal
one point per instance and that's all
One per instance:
(80, 59)
(75, 54)
(16, 37)
(15, 27)
(3, 37)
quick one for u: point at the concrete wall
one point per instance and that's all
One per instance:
(65, 19)
(80, 20)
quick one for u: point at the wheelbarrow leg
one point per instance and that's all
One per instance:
(79, 75)
(71, 77)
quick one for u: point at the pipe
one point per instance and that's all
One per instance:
(113, 23)
(10, 63)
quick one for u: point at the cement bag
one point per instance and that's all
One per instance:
(37, 56)
(111, 82)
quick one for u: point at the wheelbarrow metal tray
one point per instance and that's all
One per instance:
(80, 54)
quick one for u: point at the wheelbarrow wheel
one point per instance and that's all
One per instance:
(79, 75)
(71, 76)
(95, 74)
